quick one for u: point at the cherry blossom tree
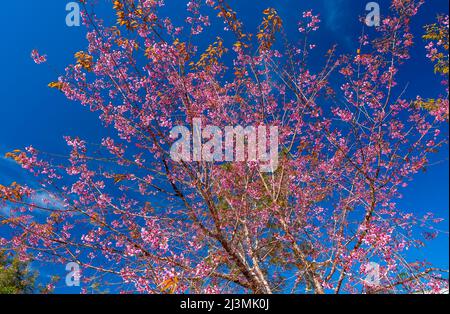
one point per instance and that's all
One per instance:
(350, 141)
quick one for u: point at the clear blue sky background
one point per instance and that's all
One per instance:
(32, 114)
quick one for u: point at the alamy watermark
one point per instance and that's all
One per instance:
(373, 18)
(234, 139)
(74, 275)
(74, 16)
(373, 274)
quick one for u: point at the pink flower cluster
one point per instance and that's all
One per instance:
(38, 59)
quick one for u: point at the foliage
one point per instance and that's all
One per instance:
(15, 276)
(437, 37)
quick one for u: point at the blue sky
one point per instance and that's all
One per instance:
(32, 113)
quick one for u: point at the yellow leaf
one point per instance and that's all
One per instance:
(57, 85)
(119, 178)
(170, 285)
